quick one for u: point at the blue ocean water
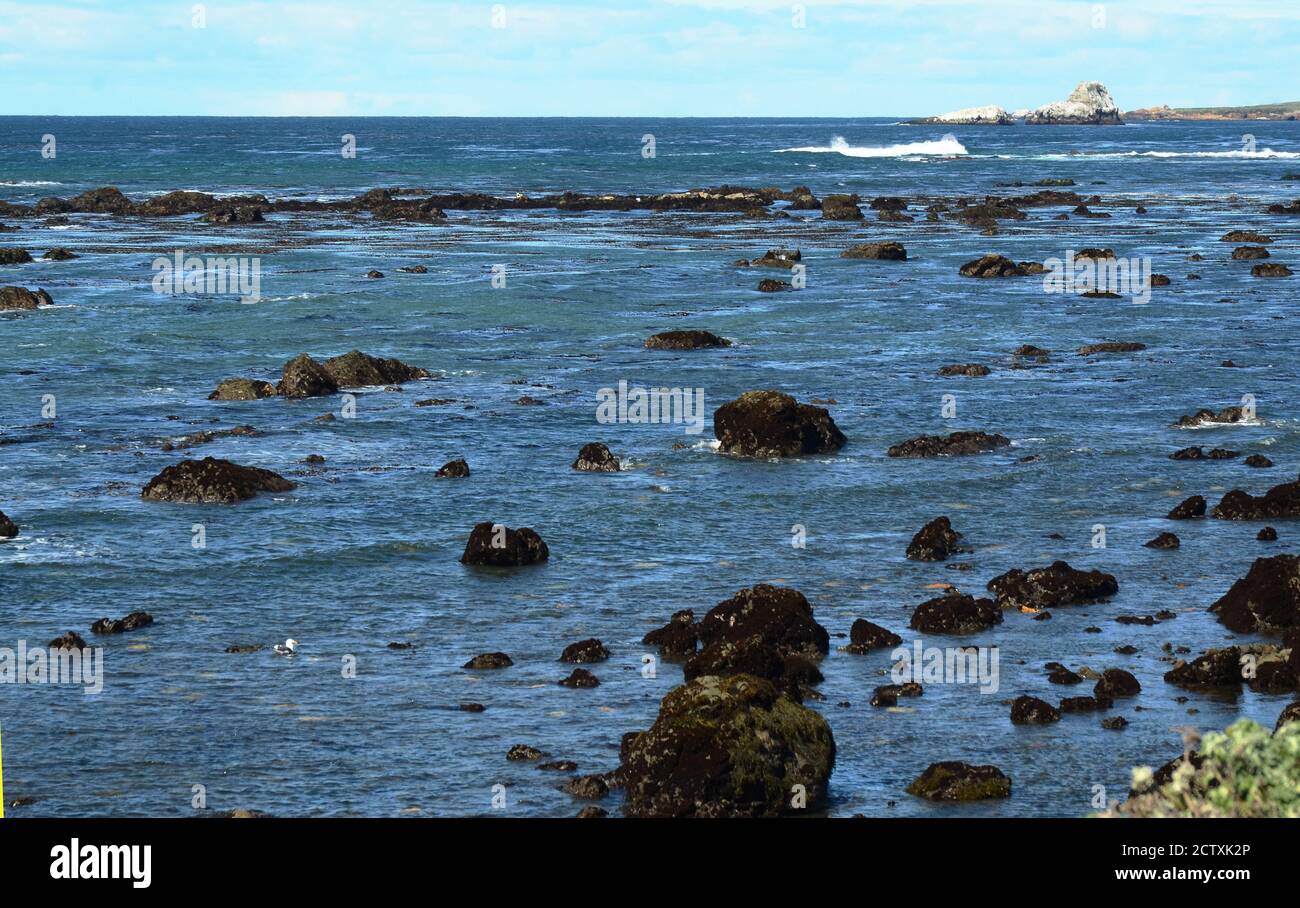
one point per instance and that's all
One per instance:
(366, 550)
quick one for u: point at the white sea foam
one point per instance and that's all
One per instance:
(22, 183)
(948, 146)
(1265, 154)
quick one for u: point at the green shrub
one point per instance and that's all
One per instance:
(1247, 772)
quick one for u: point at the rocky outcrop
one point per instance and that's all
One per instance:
(935, 541)
(1116, 682)
(596, 458)
(1280, 502)
(1207, 417)
(841, 208)
(767, 631)
(1111, 347)
(242, 389)
(992, 265)
(8, 529)
(864, 636)
(1026, 710)
(590, 650)
(1090, 104)
(579, 679)
(15, 257)
(951, 445)
(774, 258)
(888, 251)
(356, 370)
(1266, 600)
(952, 780)
(1273, 269)
(1165, 541)
(1052, 586)
(304, 377)
(966, 370)
(727, 747)
(686, 340)
(988, 115)
(22, 298)
(497, 545)
(1188, 508)
(773, 424)
(211, 480)
(955, 613)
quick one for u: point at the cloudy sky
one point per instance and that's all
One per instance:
(635, 57)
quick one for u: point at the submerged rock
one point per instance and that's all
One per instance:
(498, 545)
(489, 660)
(70, 640)
(1207, 417)
(841, 208)
(727, 747)
(775, 258)
(211, 480)
(952, 780)
(8, 529)
(453, 469)
(1188, 508)
(773, 424)
(686, 340)
(591, 650)
(579, 679)
(968, 370)
(1052, 586)
(356, 369)
(1111, 347)
(935, 541)
(887, 251)
(1163, 541)
(955, 613)
(596, 458)
(131, 622)
(772, 285)
(1273, 269)
(1266, 600)
(951, 445)
(992, 265)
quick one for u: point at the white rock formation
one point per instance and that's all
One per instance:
(991, 114)
(1090, 104)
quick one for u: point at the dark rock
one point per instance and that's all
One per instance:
(235, 214)
(953, 444)
(471, 707)
(1111, 347)
(1273, 269)
(579, 678)
(591, 650)
(1258, 461)
(558, 766)
(596, 458)
(304, 377)
(22, 298)
(992, 265)
(413, 269)
(592, 812)
(730, 746)
(70, 640)
(888, 694)
(1213, 668)
(489, 660)
(1246, 236)
(969, 370)
(588, 787)
(777, 258)
(889, 251)
(1268, 534)
(772, 424)
(8, 529)
(772, 285)
(131, 622)
(1188, 508)
(1026, 710)
(356, 369)
(678, 638)
(500, 546)
(955, 781)
(865, 636)
(243, 389)
(520, 752)
(453, 469)
(1266, 600)
(1163, 541)
(1290, 713)
(955, 613)
(14, 257)
(1063, 675)
(1246, 253)
(1207, 417)
(58, 254)
(1280, 502)
(213, 481)
(1052, 586)
(935, 541)
(241, 648)
(1115, 682)
(1083, 704)
(686, 340)
(841, 208)
(1114, 723)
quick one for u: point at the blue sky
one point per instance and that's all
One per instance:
(636, 57)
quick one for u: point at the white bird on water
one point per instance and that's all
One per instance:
(287, 648)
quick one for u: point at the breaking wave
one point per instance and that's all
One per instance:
(948, 146)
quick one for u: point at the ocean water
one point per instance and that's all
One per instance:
(366, 550)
